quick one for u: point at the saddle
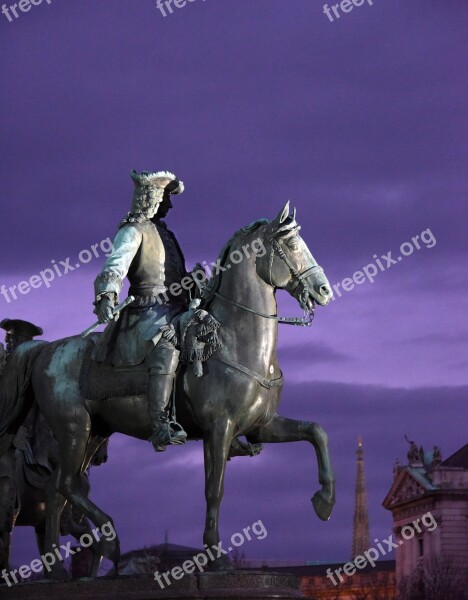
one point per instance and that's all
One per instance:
(194, 333)
(99, 381)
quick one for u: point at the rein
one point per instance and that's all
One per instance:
(299, 279)
(305, 321)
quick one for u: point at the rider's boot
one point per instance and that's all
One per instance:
(163, 365)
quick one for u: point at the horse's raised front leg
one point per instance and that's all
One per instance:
(216, 446)
(280, 430)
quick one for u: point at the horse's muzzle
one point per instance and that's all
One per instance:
(323, 294)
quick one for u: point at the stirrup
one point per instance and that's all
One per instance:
(177, 433)
(161, 436)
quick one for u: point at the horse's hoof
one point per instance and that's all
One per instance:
(109, 549)
(113, 573)
(322, 506)
(220, 564)
(256, 449)
(239, 448)
(57, 573)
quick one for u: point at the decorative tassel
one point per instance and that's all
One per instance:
(198, 337)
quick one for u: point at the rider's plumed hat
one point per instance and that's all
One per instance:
(20, 327)
(160, 179)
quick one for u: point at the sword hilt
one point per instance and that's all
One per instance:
(116, 311)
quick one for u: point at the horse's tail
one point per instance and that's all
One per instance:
(16, 395)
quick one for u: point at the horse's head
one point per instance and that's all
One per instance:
(288, 263)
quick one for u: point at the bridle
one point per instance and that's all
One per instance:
(299, 277)
(299, 281)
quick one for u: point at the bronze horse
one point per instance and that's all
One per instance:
(31, 476)
(238, 394)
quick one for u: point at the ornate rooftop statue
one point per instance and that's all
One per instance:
(415, 453)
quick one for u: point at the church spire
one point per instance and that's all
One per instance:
(361, 541)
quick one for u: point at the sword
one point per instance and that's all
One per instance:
(115, 311)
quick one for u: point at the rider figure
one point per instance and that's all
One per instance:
(146, 252)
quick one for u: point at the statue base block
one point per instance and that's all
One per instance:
(226, 585)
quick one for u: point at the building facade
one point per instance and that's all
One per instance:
(429, 503)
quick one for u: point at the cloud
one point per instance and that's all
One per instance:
(448, 338)
(310, 353)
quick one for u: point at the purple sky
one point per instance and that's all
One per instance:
(360, 122)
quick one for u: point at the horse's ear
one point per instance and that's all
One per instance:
(282, 215)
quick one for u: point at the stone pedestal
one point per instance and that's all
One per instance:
(235, 585)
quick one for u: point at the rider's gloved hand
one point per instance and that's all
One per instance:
(198, 274)
(104, 310)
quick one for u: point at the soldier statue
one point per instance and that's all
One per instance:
(146, 252)
(437, 455)
(17, 332)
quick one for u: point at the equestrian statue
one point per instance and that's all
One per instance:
(179, 360)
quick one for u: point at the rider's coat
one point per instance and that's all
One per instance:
(149, 256)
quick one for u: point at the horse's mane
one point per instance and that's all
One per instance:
(214, 282)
